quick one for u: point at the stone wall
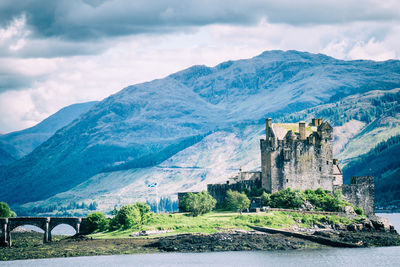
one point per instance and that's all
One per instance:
(218, 191)
(297, 164)
(360, 192)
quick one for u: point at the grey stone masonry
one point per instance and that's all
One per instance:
(360, 192)
(47, 224)
(298, 156)
(218, 191)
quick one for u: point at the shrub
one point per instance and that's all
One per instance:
(144, 210)
(127, 217)
(198, 203)
(286, 199)
(237, 201)
(265, 198)
(96, 221)
(5, 211)
(324, 200)
(359, 210)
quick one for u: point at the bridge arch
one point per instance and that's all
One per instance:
(47, 224)
(40, 223)
(63, 229)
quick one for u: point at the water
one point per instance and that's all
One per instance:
(383, 256)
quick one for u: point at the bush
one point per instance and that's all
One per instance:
(359, 210)
(324, 200)
(286, 199)
(237, 201)
(127, 217)
(198, 203)
(265, 198)
(96, 221)
(144, 210)
(5, 211)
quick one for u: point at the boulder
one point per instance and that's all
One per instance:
(381, 223)
(307, 206)
(349, 210)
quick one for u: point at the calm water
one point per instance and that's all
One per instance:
(386, 256)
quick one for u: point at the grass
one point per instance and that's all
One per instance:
(221, 221)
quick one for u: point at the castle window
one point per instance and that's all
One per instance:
(327, 162)
(320, 169)
(287, 180)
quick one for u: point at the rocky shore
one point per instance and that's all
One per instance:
(374, 231)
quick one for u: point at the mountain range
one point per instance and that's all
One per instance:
(15, 145)
(201, 125)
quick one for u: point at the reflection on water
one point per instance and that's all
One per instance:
(383, 256)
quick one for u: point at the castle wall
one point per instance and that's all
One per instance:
(297, 164)
(360, 192)
(218, 191)
(250, 176)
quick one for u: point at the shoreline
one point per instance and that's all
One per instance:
(28, 245)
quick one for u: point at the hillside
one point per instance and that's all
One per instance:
(221, 153)
(188, 129)
(383, 162)
(20, 143)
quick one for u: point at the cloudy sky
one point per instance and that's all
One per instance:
(56, 53)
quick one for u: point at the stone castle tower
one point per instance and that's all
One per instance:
(298, 156)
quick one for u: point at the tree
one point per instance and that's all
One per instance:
(127, 217)
(286, 199)
(144, 210)
(96, 221)
(5, 211)
(198, 203)
(237, 201)
(265, 198)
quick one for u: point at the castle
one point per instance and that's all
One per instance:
(299, 156)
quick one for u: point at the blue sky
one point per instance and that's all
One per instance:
(56, 53)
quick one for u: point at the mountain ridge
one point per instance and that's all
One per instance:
(141, 121)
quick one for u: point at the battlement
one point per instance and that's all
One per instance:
(368, 180)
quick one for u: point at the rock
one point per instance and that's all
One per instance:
(149, 232)
(339, 226)
(368, 226)
(380, 223)
(351, 227)
(359, 227)
(307, 206)
(349, 210)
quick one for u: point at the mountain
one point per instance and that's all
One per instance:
(195, 121)
(222, 153)
(5, 157)
(20, 143)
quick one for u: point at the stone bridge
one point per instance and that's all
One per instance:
(47, 224)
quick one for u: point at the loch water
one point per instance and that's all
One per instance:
(381, 256)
